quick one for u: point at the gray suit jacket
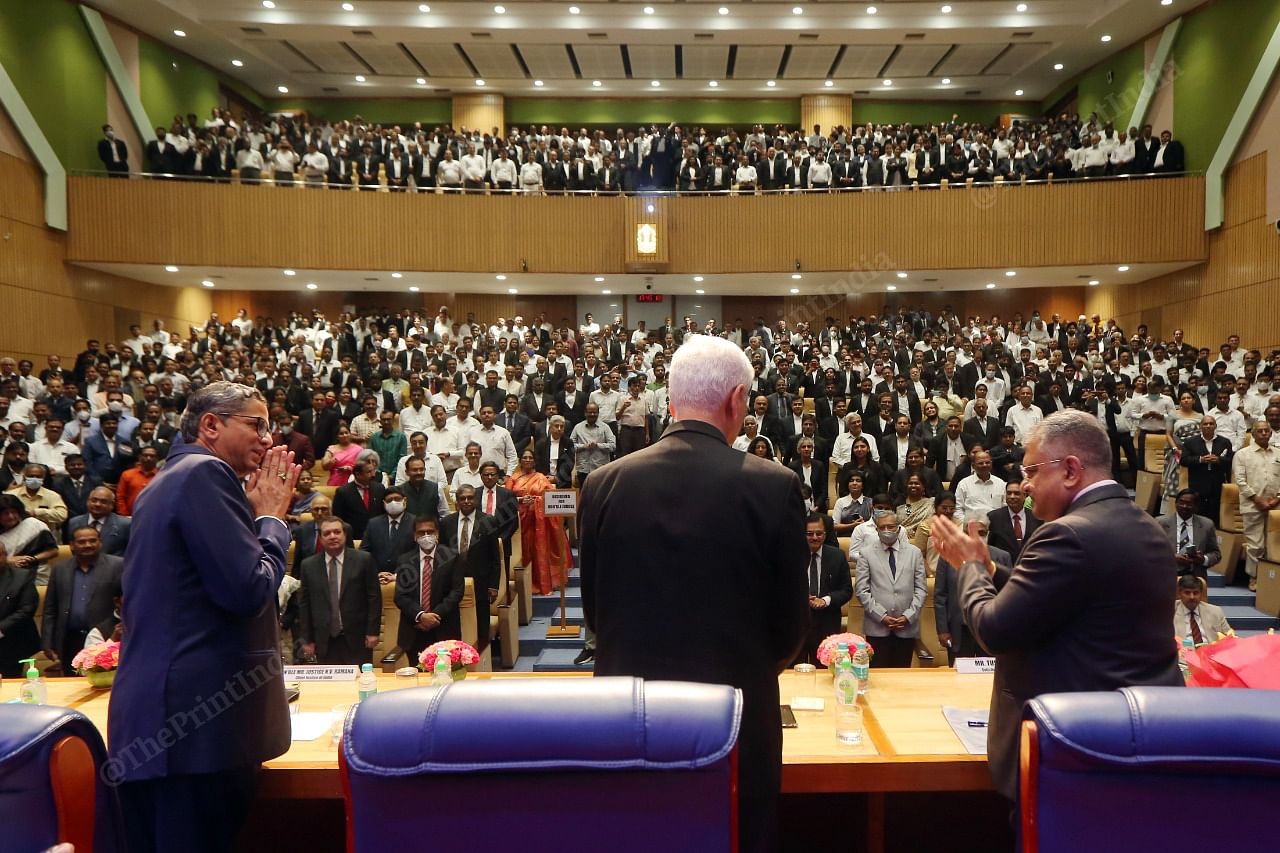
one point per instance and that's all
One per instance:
(1088, 607)
(57, 598)
(1204, 538)
(947, 614)
(882, 591)
(1212, 621)
(359, 599)
(114, 532)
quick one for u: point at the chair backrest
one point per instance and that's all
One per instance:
(50, 792)
(646, 765)
(1108, 770)
(1273, 536)
(1229, 518)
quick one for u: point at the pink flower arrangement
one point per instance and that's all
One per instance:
(828, 647)
(460, 655)
(100, 657)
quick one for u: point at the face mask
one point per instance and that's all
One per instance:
(115, 407)
(887, 537)
(285, 430)
(1153, 396)
(33, 483)
(394, 508)
(82, 416)
(427, 542)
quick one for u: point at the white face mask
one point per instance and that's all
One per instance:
(83, 416)
(394, 508)
(115, 407)
(427, 542)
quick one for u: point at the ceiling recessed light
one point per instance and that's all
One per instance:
(238, 63)
(648, 208)
(311, 285)
(359, 78)
(348, 7)
(713, 84)
(479, 82)
(723, 10)
(946, 10)
(180, 34)
(886, 82)
(413, 288)
(1166, 2)
(284, 90)
(699, 291)
(1021, 7)
(606, 292)
(1106, 39)
(655, 83)
(892, 287)
(290, 272)
(1057, 66)
(1122, 269)
(991, 285)
(397, 275)
(795, 276)
(424, 8)
(697, 278)
(500, 277)
(267, 4)
(1017, 92)
(946, 81)
(871, 10)
(1093, 282)
(829, 83)
(1010, 273)
(171, 268)
(512, 290)
(596, 83)
(796, 10)
(538, 83)
(902, 275)
(795, 290)
(421, 81)
(206, 283)
(599, 278)
(500, 10)
(648, 10)
(771, 84)
(574, 10)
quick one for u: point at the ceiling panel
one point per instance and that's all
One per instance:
(916, 60)
(440, 60)
(757, 62)
(652, 61)
(705, 60)
(969, 59)
(600, 61)
(1017, 57)
(494, 60)
(810, 62)
(547, 61)
(280, 54)
(332, 57)
(386, 58)
(863, 60)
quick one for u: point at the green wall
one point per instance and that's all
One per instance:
(46, 49)
(575, 112)
(173, 83)
(401, 111)
(1113, 101)
(933, 112)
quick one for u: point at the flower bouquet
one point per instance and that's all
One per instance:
(461, 655)
(98, 663)
(827, 648)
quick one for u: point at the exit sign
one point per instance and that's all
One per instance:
(648, 297)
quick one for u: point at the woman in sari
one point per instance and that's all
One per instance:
(542, 537)
(1181, 424)
(340, 458)
(944, 504)
(27, 542)
(918, 507)
(303, 494)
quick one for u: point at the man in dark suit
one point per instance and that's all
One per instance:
(389, 536)
(73, 605)
(1169, 158)
(1012, 524)
(708, 492)
(514, 421)
(75, 486)
(499, 503)
(804, 455)
(953, 634)
(161, 157)
(112, 529)
(342, 631)
(1053, 625)
(572, 403)
(982, 428)
(319, 423)
(431, 617)
(474, 536)
(1207, 458)
(106, 455)
(357, 502)
(563, 471)
(113, 153)
(1193, 537)
(830, 588)
(306, 536)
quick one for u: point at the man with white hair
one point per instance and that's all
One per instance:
(1087, 607)
(698, 535)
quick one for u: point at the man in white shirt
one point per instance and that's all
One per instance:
(495, 442)
(980, 492)
(418, 450)
(444, 441)
(468, 474)
(473, 170)
(1231, 423)
(865, 533)
(1024, 415)
(52, 451)
(606, 398)
(416, 417)
(1152, 410)
(314, 166)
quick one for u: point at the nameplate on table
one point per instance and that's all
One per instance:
(560, 502)
(321, 673)
(975, 666)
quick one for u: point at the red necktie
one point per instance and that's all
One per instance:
(426, 583)
(364, 496)
(1017, 527)
(1196, 636)
(488, 503)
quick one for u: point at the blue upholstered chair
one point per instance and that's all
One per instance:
(573, 764)
(1150, 768)
(50, 791)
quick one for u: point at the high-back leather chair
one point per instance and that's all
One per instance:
(1149, 768)
(50, 791)
(578, 764)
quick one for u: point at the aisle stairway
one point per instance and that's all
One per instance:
(1237, 605)
(539, 653)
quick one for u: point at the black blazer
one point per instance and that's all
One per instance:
(18, 604)
(480, 563)
(519, 425)
(59, 594)
(735, 528)
(1207, 477)
(75, 497)
(386, 548)
(322, 430)
(348, 506)
(1049, 637)
(563, 475)
(819, 484)
(360, 599)
(1000, 530)
(575, 414)
(988, 438)
(305, 537)
(446, 592)
(834, 580)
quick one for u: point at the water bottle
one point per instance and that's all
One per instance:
(368, 681)
(442, 674)
(862, 667)
(842, 654)
(848, 713)
(1188, 645)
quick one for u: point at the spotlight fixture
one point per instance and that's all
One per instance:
(1010, 273)
(479, 82)
(697, 278)
(500, 277)
(1017, 92)
(206, 283)
(267, 4)
(348, 7)
(1122, 269)
(424, 8)
(699, 291)
(991, 285)
(238, 63)
(512, 291)
(892, 287)
(795, 290)
(171, 268)
(902, 275)
(500, 10)
(397, 275)
(1106, 38)
(1021, 7)
(713, 84)
(1057, 66)
(596, 83)
(946, 81)
(599, 278)
(284, 90)
(795, 276)
(771, 84)
(946, 9)
(886, 82)
(1093, 282)
(413, 288)
(538, 83)
(180, 34)
(723, 10)
(606, 292)
(290, 272)
(311, 285)
(421, 81)
(574, 10)
(829, 83)
(360, 78)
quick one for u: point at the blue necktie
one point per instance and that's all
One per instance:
(893, 564)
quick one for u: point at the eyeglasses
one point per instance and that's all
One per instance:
(1028, 470)
(260, 424)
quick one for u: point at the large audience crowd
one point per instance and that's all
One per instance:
(355, 153)
(903, 412)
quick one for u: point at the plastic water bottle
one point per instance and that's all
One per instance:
(842, 654)
(1188, 645)
(862, 667)
(368, 681)
(442, 674)
(848, 714)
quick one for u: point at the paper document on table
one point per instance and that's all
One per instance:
(970, 726)
(310, 725)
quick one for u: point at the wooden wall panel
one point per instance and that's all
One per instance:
(21, 190)
(1236, 291)
(482, 112)
(827, 110)
(978, 228)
